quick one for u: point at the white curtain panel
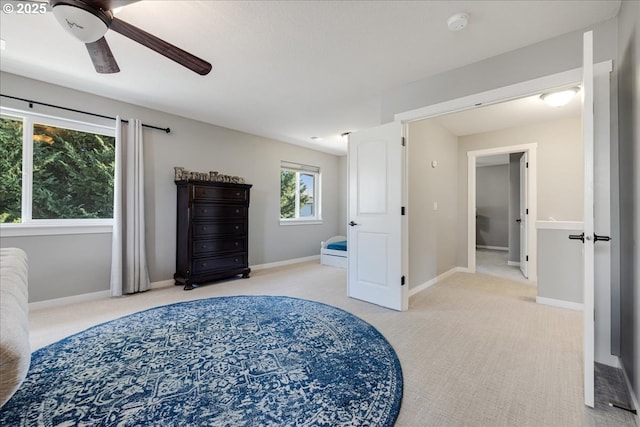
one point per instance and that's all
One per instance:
(129, 273)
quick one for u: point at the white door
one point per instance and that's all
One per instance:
(524, 223)
(375, 158)
(588, 253)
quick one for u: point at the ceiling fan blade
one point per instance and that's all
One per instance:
(109, 4)
(172, 52)
(102, 57)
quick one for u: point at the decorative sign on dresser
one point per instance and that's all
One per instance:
(212, 230)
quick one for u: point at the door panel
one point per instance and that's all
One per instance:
(524, 218)
(375, 159)
(588, 253)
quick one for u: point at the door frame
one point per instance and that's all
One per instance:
(495, 96)
(532, 202)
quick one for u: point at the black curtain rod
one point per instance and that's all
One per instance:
(31, 102)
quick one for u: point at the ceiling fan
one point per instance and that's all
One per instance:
(89, 20)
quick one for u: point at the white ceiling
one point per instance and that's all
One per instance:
(288, 70)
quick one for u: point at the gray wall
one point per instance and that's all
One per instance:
(514, 206)
(432, 233)
(559, 172)
(492, 206)
(558, 261)
(196, 146)
(628, 233)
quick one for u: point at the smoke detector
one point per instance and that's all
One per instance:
(458, 22)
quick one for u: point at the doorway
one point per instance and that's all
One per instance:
(527, 240)
(501, 211)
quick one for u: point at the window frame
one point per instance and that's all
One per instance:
(39, 227)
(303, 169)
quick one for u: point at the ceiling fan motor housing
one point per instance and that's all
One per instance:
(86, 23)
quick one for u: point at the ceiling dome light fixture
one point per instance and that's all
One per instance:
(559, 98)
(458, 22)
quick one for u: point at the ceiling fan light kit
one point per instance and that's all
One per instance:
(89, 20)
(80, 20)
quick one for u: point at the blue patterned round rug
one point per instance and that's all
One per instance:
(231, 361)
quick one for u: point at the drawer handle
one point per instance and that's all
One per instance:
(204, 211)
(237, 227)
(238, 194)
(237, 243)
(204, 264)
(204, 228)
(237, 211)
(203, 247)
(235, 260)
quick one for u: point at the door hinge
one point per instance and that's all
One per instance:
(526, 258)
(403, 141)
(402, 211)
(526, 165)
(402, 281)
(526, 211)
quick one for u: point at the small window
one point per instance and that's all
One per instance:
(53, 169)
(299, 193)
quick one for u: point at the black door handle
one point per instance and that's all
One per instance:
(597, 238)
(353, 223)
(518, 220)
(577, 237)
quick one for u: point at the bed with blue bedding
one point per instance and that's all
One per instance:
(334, 252)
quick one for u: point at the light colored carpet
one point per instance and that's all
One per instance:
(476, 350)
(495, 263)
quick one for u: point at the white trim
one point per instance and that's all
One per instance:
(502, 94)
(285, 262)
(57, 302)
(513, 263)
(532, 193)
(494, 248)
(288, 222)
(560, 303)
(494, 96)
(35, 229)
(437, 279)
(560, 225)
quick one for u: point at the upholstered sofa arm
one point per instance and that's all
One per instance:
(15, 352)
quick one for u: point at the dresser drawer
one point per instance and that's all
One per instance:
(231, 228)
(220, 194)
(201, 247)
(205, 265)
(204, 211)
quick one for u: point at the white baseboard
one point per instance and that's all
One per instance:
(285, 262)
(437, 279)
(69, 300)
(560, 303)
(514, 263)
(634, 399)
(162, 284)
(495, 248)
(154, 285)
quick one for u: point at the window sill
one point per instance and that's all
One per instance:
(300, 222)
(52, 228)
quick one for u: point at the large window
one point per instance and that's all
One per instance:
(53, 170)
(299, 193)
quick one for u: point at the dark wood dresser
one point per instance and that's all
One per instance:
(212, 232)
